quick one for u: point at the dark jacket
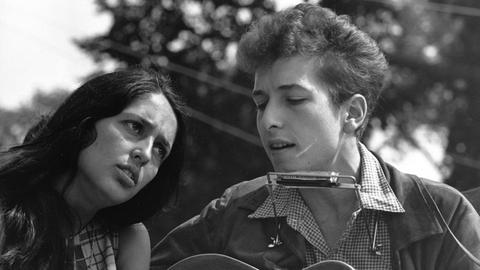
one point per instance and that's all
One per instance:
(418, 239)
(473, 195)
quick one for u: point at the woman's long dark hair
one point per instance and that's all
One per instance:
(33, 211)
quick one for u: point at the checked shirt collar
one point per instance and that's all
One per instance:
(375, 195)
(375, 192)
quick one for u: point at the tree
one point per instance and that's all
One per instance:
(431, 47)
(16, 123)
(432, 82)
(193, 42)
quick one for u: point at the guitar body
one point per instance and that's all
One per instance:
(330, 265)
(212, 261)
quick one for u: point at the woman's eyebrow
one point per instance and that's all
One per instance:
(150, 125)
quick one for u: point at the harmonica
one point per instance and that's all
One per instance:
(312, 180)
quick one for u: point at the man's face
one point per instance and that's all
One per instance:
(298, 124)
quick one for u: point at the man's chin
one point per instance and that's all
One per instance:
(287, 167)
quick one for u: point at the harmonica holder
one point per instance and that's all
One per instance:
(312, 180)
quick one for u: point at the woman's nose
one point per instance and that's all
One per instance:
(142, 153)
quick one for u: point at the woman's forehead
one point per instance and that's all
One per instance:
(157, 111)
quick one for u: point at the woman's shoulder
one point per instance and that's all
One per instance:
(134, 232)
(134, 248)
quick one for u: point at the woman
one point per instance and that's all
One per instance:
(74, 194)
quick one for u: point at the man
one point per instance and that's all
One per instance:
(317, 78)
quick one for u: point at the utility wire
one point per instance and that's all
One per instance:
(163, 62)
(438, 7)
(203, 77)
(455, 9)
(232, 130)
(223, 127)
(465, 161)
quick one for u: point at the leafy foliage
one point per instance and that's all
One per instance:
(193, 41)
(16, 123)
(433, 60)
(431, 46)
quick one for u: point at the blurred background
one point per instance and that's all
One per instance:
(427, 122)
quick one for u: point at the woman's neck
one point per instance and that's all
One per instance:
(81, 207)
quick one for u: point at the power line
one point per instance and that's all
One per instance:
(211, 121)
(232, 130)
(203, 77)
(164, 62)
(223, 127)
(448, 8)
(465, 161)
(438, 7)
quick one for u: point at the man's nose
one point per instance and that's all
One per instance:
(271, 117)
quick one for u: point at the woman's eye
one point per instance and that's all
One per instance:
(135, 127)
(160, 151)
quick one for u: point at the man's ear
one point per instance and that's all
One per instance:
(355, 113)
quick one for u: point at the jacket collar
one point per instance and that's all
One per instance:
(289, 237)
(255, 199)
(418, 221)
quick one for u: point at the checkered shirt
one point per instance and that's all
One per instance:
(354, 246)
(93, 248)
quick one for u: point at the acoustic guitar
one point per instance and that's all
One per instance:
(212, 261)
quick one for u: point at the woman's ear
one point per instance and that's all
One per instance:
(355, 113)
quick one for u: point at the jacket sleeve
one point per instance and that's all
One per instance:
(195, 236)
(464, 223)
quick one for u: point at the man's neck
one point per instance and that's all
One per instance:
(348, 159)
(331, 209)
(335, 201)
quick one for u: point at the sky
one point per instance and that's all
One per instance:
(37, 50)
(37, 53)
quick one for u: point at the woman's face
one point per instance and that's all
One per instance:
(127, 152)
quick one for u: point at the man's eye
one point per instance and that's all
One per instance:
(260, 105)
(135, 127)
(295, 101)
